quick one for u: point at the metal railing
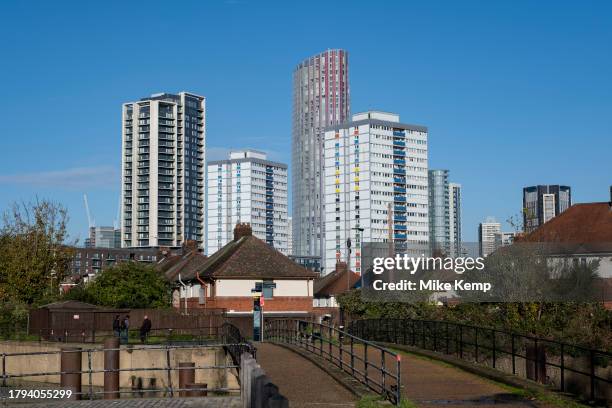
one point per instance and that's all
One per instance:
(231, 335)
(584, 372)
(133, 336)
(91, 390)
(374, 366)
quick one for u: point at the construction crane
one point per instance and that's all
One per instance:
(92, 222)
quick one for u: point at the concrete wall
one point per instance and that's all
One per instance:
(209, 356)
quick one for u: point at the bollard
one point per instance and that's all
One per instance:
(111, 362)
(186, 376)
(70, 362)
(196, 392)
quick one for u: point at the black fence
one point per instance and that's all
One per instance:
(584, 372)
(232, 336)
(374, 366)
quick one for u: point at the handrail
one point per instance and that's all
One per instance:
(546, 361)
(89, 391)
(375, 366)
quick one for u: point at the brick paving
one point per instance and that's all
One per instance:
(302, 382)
(429, 383)
(425, 382)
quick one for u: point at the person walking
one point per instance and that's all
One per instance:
(116, 326)
(145, 329)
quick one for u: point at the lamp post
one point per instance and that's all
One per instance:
(348, 246)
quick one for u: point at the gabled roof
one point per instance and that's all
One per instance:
(588, 222)
(69, 304)
(336, 282)
(584, 227)
(248, 257)
(185, 264)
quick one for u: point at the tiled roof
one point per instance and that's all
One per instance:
(588, 225)
(589, 222)
(248, 257)
(185, 264)
(335, 283)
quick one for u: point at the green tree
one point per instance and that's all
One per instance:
(34, 254)
(125, 285)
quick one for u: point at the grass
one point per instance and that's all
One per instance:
(374, 401)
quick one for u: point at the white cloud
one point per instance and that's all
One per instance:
(71, 179)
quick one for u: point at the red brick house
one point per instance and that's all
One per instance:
(327, 289)
(226, 279)
(582, 233)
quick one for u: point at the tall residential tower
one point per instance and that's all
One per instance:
(163, 170)
(320, 99)
(489, 236)
(444, 213)
(375, 187)
(247, 188)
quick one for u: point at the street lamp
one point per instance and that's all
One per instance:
(348, 246)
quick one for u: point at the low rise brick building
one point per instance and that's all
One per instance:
(226, 279)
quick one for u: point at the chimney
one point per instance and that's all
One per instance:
(341, 267)
(191, 245)
(242, 230)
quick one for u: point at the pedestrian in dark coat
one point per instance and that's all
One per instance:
(117, 326)
(145, 329)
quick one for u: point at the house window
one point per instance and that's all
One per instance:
(267, 290)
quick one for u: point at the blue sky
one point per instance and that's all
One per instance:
(514, 93)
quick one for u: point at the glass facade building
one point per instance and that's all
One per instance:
(542, 203)
(444, 213)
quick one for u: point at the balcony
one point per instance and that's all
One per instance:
(399, 171)
(399, 143)
(397, 217)
(399, 236)
(399, 133)
(398, 227)
(400, 162)
(400, 199)
(399, 208)
(399, 180)
(399, 153)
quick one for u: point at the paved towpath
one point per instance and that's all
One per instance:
(302, 382)
(425, 382)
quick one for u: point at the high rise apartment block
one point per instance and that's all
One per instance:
(376, 186)
(321, 98)
(247, 188)
(444, 214)
(489, 236)
(163, 170)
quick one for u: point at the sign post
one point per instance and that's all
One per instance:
(258, 307)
